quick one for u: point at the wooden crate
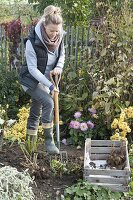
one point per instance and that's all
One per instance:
(99, 150)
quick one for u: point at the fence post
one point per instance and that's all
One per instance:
(76, 46)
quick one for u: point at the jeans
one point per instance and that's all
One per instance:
(42, 103)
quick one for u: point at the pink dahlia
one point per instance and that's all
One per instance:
(71, 125)
(83, 126)
(77, 115)
(90, 124)
(76, 125)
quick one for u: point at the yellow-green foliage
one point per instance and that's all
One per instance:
(121, 125)
(18, 130)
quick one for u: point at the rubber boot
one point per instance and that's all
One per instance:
(49, 141)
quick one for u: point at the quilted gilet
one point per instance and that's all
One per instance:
(25, 77)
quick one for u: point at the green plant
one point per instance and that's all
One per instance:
(12, 97)
(3, 117)
(30, 151)
(80, 128)
(4, 122)
(112, 74)
(58, 167)
(83, 190)
(73, 168)
(15, 185)
(76, 90)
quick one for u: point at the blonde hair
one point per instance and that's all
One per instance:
(52, 14)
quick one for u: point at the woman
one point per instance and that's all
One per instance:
(44, 54)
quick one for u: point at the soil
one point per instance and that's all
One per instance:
(47, 185)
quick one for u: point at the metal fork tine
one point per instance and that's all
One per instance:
(64, 156)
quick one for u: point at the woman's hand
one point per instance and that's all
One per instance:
(56, 70)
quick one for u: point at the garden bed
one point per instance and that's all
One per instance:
(47, 186)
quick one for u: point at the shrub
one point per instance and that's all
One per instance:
(105, 79)
(112, 74)
(121, 124)
(14, 185)
(81, 128)
(18, 131)
(12, 97)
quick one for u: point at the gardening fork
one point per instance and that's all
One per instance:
(55, 81)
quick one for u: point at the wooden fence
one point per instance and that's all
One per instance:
(78, 47)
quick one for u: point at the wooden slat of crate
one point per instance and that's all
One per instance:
(106, 172)
(114, 187)
(99, 156)
(107, 179)
(102, 150)
(105, 143)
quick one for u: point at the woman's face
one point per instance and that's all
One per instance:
(52, 30)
